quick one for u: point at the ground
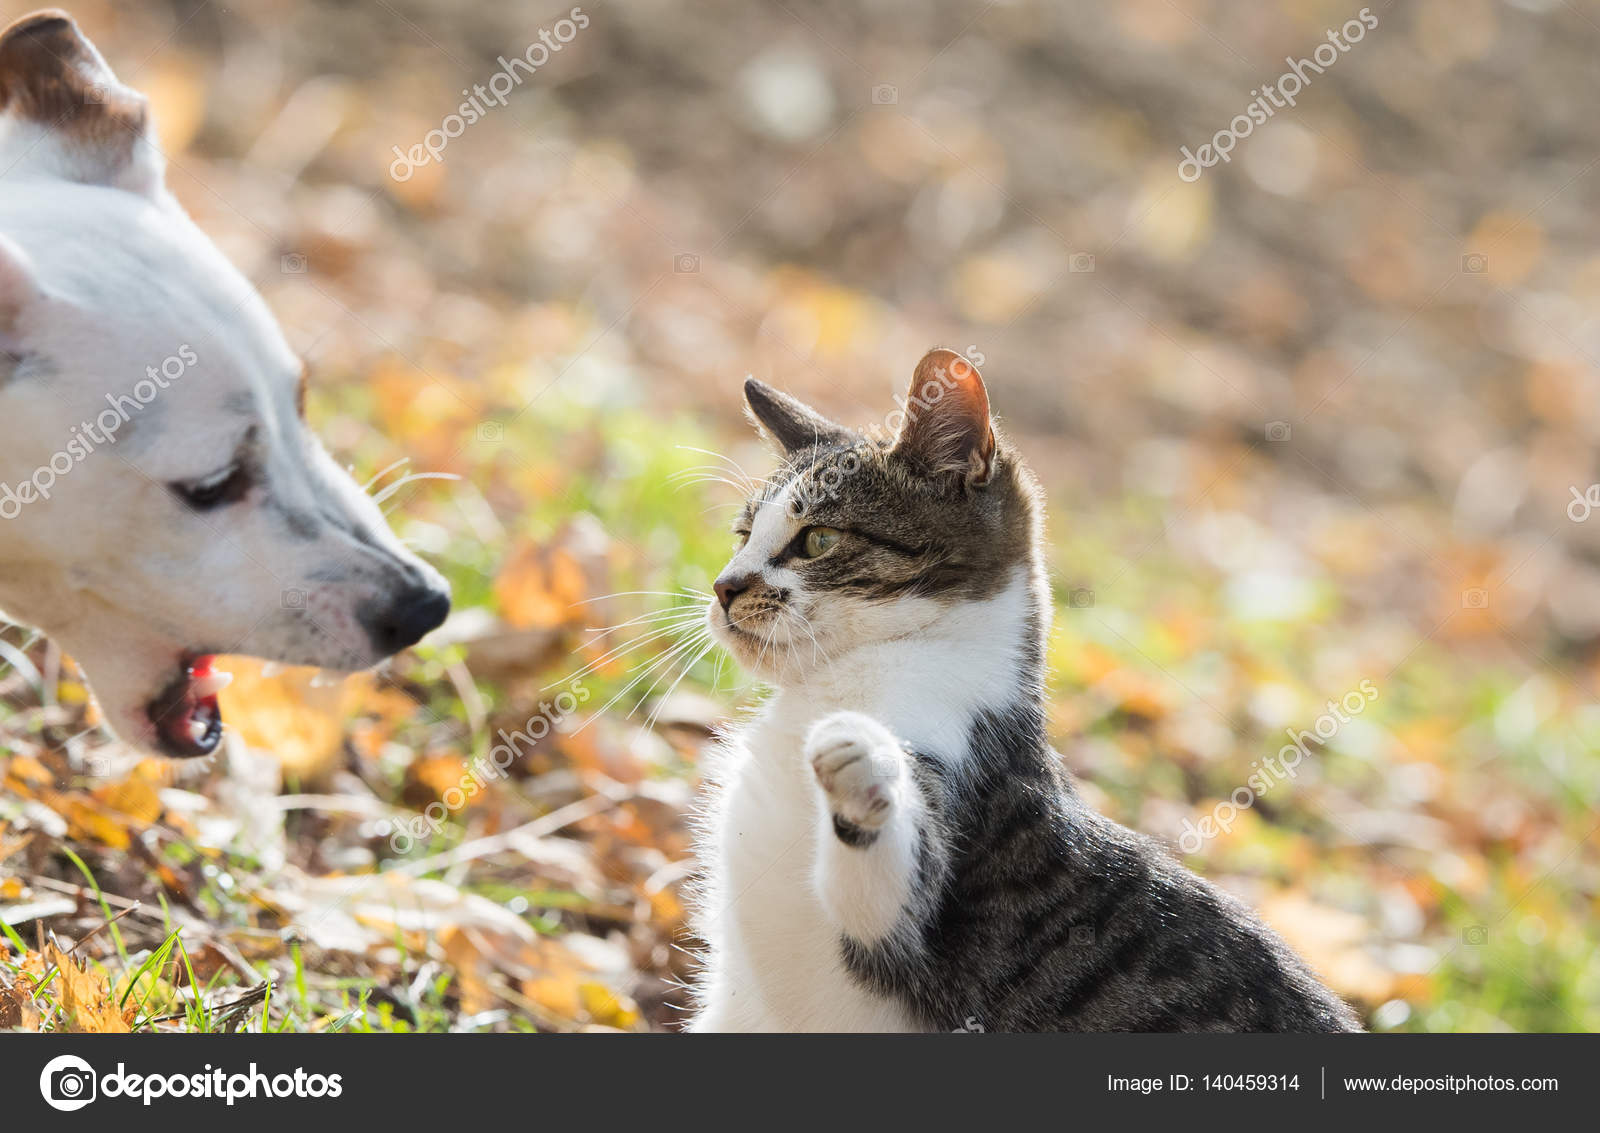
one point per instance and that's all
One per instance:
(1316, 427)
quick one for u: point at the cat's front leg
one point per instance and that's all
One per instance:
(874, 818)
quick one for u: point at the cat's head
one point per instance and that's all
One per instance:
(862, 537)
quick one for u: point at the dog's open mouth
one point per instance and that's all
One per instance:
(186, 715)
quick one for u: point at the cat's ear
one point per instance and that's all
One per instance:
(947, 426)
(793, 424)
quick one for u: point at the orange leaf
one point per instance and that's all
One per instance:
(85, 997)
(540, 587)
(135, 799)
(606, 1007)
(87, 822)
(470, 964)
(9, 846)
(288, 714)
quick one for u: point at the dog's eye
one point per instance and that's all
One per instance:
(819, 541)
(225, 487)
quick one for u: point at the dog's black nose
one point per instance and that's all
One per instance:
(409, 619)
(730, 588)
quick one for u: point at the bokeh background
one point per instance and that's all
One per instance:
(1325, 415)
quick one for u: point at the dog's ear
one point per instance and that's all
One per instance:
(19, 289)
(947, 426)
(792, 423)
(95, 130)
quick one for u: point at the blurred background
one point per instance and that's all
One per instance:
(1316, 420)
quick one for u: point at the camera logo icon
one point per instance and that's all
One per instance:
(885, 94)
(294, 599)
(1474, 263)
(67, 1083)
(294, 263)
(685, 264)
(1476, 598)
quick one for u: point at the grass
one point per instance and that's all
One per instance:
(1449, 823)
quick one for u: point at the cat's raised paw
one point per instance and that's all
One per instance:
(860, 767)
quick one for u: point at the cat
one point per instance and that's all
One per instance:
(890, 844)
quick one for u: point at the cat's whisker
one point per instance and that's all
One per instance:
(691, 606)
(666, 658)
(606, 707)
(732, 464)
(706, 646)
(766, 642)
(599, 634)
(696, 610)
(653, 627)
(686, 591)
(684, 611)
(713, 469)
(626, 647)
(691, 470)
(716, 674)
(711, 480)
(816, 646)
(707, 474)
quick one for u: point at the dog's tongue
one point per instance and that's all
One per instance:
(187, 715)
(204, 681)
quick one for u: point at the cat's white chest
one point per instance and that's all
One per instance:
(777, 961)
(778, 952)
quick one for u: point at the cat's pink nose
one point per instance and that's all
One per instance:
(730, 588)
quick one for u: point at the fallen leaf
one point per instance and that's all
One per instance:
(86, 1003)
(290, 714)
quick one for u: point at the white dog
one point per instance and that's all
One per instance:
(161, 499)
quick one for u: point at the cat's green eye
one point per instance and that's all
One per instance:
(740, 538)
(819, 541)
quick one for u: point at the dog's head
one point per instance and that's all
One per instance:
(161, 498)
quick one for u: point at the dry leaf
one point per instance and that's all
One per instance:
(290, 714)
(135, 799)
(540, 587)
(86, 1002)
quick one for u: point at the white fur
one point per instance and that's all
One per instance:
(99, 281)
(781, 888)
(865, 777)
